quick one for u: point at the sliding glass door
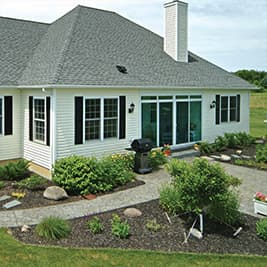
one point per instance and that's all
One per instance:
(165, 123)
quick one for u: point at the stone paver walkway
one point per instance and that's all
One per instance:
(252, 181)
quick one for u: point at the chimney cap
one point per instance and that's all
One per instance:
(169, 3)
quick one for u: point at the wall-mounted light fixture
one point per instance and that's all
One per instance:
(131, 108)
(213, 104)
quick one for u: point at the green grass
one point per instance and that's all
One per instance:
(13, 253)
(258, 113)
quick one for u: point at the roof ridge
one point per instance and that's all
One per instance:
(25, 20)
(94, 8)
(65, 48)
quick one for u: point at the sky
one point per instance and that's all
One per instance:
(230, 33)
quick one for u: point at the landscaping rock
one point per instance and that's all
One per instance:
(238, 152)
(246, 157)
(207, 158)
(132, 212)
(233, 156)
(225, 158)
(55, 193)
(259, 142)
(215, 157)
(25, 228)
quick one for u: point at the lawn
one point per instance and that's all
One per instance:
(258, 113)
(13, 253)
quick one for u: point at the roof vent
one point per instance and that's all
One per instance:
(122, 69)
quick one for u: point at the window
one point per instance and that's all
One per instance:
(101, 118)
(1, 115)
(39, 119)
(227, 109)
(92, 119)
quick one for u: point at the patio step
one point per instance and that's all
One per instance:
(188, 153)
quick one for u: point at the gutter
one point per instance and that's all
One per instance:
(63, 86)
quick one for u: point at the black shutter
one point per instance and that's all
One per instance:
(78, 120)
(31, 118)
(238, 109)
(122, 118)
(48, 107)
(8, 115)
(218, 104)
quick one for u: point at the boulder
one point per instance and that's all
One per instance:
(132, 212)
(25, 228)
(55, 193)
(238, 152)
(234, 156)
(225, 158)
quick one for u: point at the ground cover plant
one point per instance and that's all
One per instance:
(94, 225)
(53, 228)
(14, 170)
(261, 227)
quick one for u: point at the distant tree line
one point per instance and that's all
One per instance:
(258, 78)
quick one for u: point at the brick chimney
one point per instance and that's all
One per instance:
(176, 28)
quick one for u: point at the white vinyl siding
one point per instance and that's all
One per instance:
(11, 145)
(1, 116)
(37, 152)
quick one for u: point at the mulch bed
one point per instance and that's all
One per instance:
(217, 238)
(34, 199)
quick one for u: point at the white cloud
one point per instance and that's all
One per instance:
(230, 33)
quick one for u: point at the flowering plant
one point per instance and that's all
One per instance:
(166, 147)
(260, 197)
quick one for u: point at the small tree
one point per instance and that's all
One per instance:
(200, 185)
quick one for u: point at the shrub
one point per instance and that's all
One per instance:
(152, 225)
(205, 148)
(119, 228)
(53, 228)
(81, 175)
(34, 182)
(95, 226)
(14, 170)
(261, 153)
(245, 139)
(224, 208)
(2, 184)
(170, 199)
(220, 143)
(115, 170)
(261, 229)
(157, 158)
(196, 186)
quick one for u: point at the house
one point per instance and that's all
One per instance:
(92, 81)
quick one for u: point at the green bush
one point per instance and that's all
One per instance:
(261, 153)
(224, 208)
(82, 175)
(157, 158)
(119, 228)
(14, 170)
(2, 184)
(53, 228)
(34, 182)
(170, 199)
(205, 148)
(261, 229)
(195, 186)
(152, 225)
(220, 143)
(244, 139)
(95, 226)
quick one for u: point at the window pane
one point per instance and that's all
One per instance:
(182, 121)
(165, 120)
(40, 130)
(92, 108)
(110, 108)
(149, 98)
(39, 109)
(195, 97)
(195, 121)
(165, 97)
(110, 128)
(181, 97)
(224, 109)
(149, 122)
(92, 130)
(233, 108)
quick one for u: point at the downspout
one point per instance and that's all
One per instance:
(53, 128)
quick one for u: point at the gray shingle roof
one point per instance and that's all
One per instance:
(18, 39)
(84, 46)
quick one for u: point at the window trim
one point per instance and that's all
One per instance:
(43, 142)
(2, 115)
(229, 109)
(102, 99)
